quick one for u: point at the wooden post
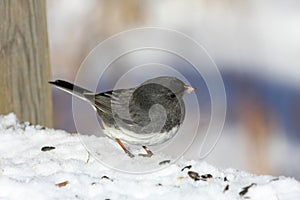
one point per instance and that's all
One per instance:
(24, 61)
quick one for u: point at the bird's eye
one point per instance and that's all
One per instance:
(173, 96)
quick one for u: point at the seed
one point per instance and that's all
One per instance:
(206, 176)
(47, 148)
(194, 175)
(187, 167)
(164, 162)
(226, 188)
(62, 184)
(106, 177)
(245, 189)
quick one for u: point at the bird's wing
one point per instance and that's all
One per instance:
(114, 103)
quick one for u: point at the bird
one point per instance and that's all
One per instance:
(148, 114)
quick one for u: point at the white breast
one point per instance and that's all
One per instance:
(140, 139)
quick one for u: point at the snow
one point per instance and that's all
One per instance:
(31, 169)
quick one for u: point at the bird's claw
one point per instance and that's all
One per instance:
(148, 151)
(129, 154)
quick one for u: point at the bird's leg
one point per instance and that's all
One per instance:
(149, 152)
(124, 148)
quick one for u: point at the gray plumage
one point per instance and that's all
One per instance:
(140, 115)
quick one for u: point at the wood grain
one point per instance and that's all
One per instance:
(24, 61)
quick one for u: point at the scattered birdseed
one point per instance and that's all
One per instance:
(47, 148)
(106, 177)
(187, 167)
(88, 157)
(62, 184)
(245, 189)
(206, 176)
(164, 162)
(226, 188)
(180, 178)
(194, 175)
(274, 179)
(39, 127)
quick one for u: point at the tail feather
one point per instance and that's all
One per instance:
(70, 88)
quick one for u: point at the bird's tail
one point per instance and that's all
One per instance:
(70, 88)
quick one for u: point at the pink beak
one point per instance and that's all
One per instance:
(189, 89)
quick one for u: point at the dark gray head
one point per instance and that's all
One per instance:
(178, 87)
(156, 98)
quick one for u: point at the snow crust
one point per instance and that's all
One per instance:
(42, 163)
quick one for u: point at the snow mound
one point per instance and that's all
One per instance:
(41, 163)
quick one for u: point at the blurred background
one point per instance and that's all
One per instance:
(255, 44)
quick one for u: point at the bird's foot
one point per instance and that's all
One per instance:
(148, 151)
(129, 154)
(124, 148)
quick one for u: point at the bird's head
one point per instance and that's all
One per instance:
(175, 85)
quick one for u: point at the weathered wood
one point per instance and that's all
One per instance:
(24, 61)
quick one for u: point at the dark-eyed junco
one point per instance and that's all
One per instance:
(148, 114)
